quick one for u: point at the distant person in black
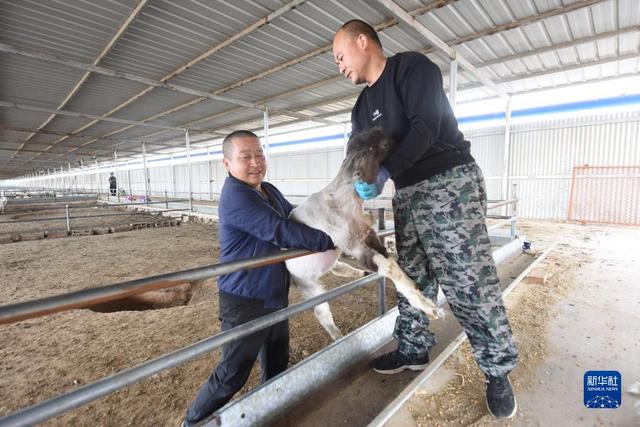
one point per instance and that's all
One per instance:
(439, 208)
(113, 186)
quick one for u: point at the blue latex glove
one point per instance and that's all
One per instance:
(368, 191)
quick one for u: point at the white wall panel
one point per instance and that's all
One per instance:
(541, 159)
(543, 155)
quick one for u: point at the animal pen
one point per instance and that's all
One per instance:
(108, 300)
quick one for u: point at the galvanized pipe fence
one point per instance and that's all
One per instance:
(80, 299)
(90, 392)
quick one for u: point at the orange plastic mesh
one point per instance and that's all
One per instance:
(605, 194)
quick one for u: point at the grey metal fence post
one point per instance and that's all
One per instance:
(346, 140)
(129, 181)
(265, 142)
(514, 209)
(173, 177)
(209, 180)
(70, 188)
(382, 309)
(186, 138)
(97, 176)
(453, 83)
(506, 154)
(83, 177)
(146, 177)
(381, 224)
(115, 155)
(66, 210)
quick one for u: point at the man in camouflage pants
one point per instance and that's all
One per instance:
(439, 208)
(442, 240)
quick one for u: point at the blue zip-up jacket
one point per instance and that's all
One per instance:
(250, 225)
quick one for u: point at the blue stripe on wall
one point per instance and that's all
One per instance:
(527, 112)
(617, 101)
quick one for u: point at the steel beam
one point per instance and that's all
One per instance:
(91, 116)
(383, 25)
(123, 28)
(81, 135)
(261, 22)
(316, 52)
(54, 59)
(439, 44)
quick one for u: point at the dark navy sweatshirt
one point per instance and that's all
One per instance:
(409, 103)
(251, 225)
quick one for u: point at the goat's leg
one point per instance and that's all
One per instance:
(311, 288)
(343, 269)
(388, 267)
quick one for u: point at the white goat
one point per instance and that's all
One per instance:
(338, 211)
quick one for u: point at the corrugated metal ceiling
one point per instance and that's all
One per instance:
(223, 48)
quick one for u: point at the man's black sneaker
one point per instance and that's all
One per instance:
(394, 362)
(501, 401)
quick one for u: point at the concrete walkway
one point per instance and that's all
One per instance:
(593, 324)
(597, 327)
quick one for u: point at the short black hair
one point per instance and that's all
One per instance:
(358, 26)
(227, 147)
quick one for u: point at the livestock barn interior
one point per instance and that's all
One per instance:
(108, 299)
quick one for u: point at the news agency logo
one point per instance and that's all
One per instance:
(602, 389)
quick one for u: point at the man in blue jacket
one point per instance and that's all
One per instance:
(253, 222)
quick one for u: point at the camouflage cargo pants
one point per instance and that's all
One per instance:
(442, 240)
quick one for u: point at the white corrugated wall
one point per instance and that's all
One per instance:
(542, 156)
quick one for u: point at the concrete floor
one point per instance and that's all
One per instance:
(597, 328)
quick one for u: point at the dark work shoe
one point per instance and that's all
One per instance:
(394, 362)
(501, 401)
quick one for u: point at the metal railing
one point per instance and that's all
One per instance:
(90, 392)
(88, 297)
(80, 299)
(69, 217)
(505, 219)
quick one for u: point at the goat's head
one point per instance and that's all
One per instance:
(365, 151)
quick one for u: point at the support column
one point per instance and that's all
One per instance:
(265, 140)
(507, 150)
(186, 138)
(82, 172)
(514, 209)
(115, 157)
(173, 177)
(70, 189)
(144, 170)
(97, 176)
(453, 83)
(209, 177)
(129, 182)
(346, 140)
